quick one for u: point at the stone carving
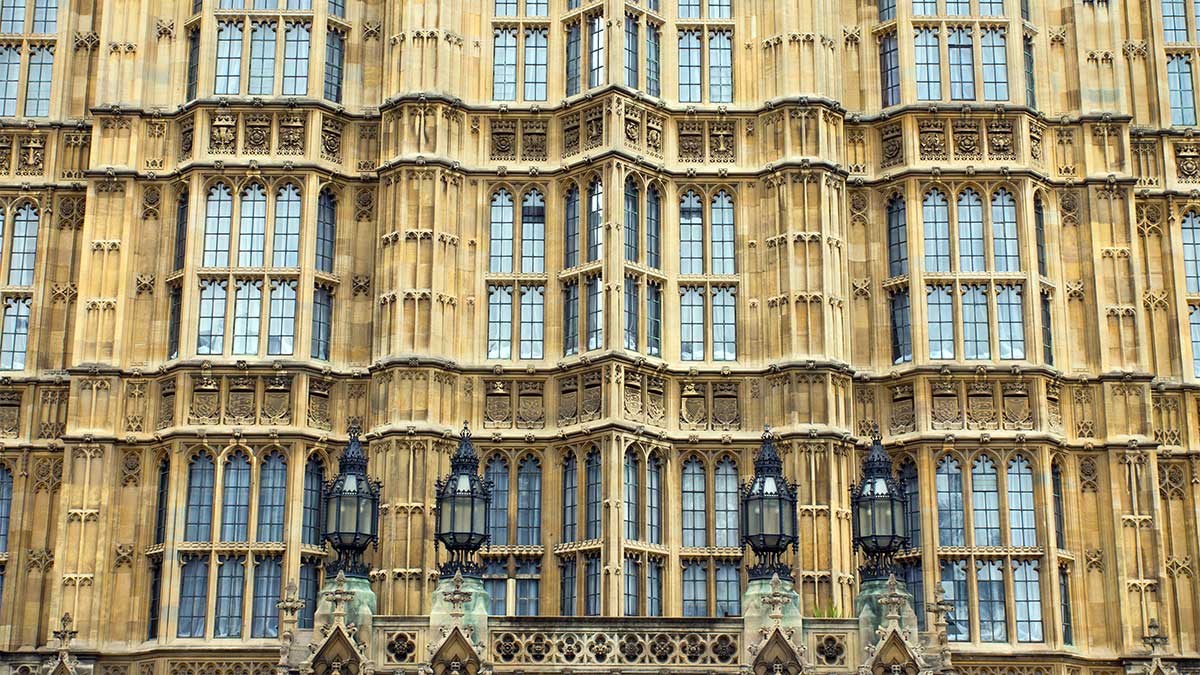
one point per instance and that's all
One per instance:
(291, 134)
(1187, 162)
(131, 467)
(932, 139)
(123, 556)
(222, 137)
(31, 160)
(1088, 475)
(504, 140)
(257, 140)
(891, 145)
(1000, 140)
(47, 474)
(966, 140)
(533, 141)
(331, 139)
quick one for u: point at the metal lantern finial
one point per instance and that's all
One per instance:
(877, 507)
(351, 509)
(461, 512)
(768, 512)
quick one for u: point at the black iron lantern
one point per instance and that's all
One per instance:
(351, 510)
(877, 504)
(462, 509)
(768, 515)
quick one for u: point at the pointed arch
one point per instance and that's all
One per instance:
(455, 656)
(201, 477)
(235, 496)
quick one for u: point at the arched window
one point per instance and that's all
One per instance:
(595, 220)
(1005, 246)
(722, 234)
(985, 501)
(252, 226)
(570, 498)
(231, 584)
(326, 231)
(529, 502)
(631, 495)
(897, 237)
(210, 321)
(24, 246)
(571, 227)
(654, 500)
(6, 496)
(314, 480)
(181, 229)
(951, 527)
(1191, 251)
(593, 486)
(695, 506)
(500, 242)
(497, 473)
(285, 246)
(653, 228)
(533, 233)
(235, 498)
(912, 503)
(937, 232)
(217, 217)
(1021, 524)
(725, 503)
(632, 220)
(1060, 520)
(198, 524)
(970, 232)
(268, 585)
(160, 506)
(691, 234)
(272, 495)
(1039, 233)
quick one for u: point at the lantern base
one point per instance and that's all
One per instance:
(357, 600)
(768, 604)
(875, 601)
(461, 602)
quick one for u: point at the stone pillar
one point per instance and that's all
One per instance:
(347, 600)
(873, 604)
(460, 602)
(768, 604)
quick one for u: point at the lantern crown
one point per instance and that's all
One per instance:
(353, 459)
(464, 458)
(768, 462)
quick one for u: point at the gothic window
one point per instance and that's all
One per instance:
(533, 233)
(535, 64)
(210, 331)
(231, 580)
(654, 589)
(695, 508)
(506, 7)
(497, 473)
(1060, 521)
(252, 226)
(570, 492)
(193, 70)
(499, 322)
(322, 322)
(632, 468)
(632, 303)
(217, 218)
(724, 324)
(268, 574)
(631, 590)
(1027, 600)
(1047, 332)
(924, 7)
(653, 60)
(37, 81)
(326, 231)
(572, 59)
(174, 320)
(24, 246)
(532, 310)
(1064, 595)
(941, 321)
(504, 64)
(689, 66)
(1039, 232)
(632, 40)
(570, 318)
(567, 580)
(989, 580)
(901, 327)
(654, 500)
(653, 227)
(198, 525)
(1010, 317)
(720, 66)
(1006, 248)
(912, 503)
(262, 58)
(10, 79)
(14, 341)
(654, 319)
(6, 495)
(235, 498)
(1030, 72)
(45, 16)
(632, 220)
(529, 502)
(155, 599)
(229, 58)
(1174, 21)
(591, 586)
(295, 58)
(689, 9)
(1191, 251)
(929, 64)
(286, 243)
(272, 497)
(1179, 83)
(954, 585)
(12, 16)
(1021, 521)
(728, 590)
(897, 237)
(937, 232)
(528, 587)
(722, 234)
(889, 70)
(695, 588)
(181, 223)
(985, 502)
(537, 7)
(950, 503)
(335, 56)
(247, 315)
(887, 10)
(970, 232)
(961, 51)
(495, 581)
(595, 220)
(593, 494)
(991, 7)
(193, 596)
(976, 325)
(914, 583)
(595, 314)
(311, 527)
(725, 504)
(281, 327)
(596, 40)
(160, 504)
(691, 320)
(571, 227)
(995, 65)
(720, 9)
(310, 580)
(691, 235)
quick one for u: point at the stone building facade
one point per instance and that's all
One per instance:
(618, 237)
